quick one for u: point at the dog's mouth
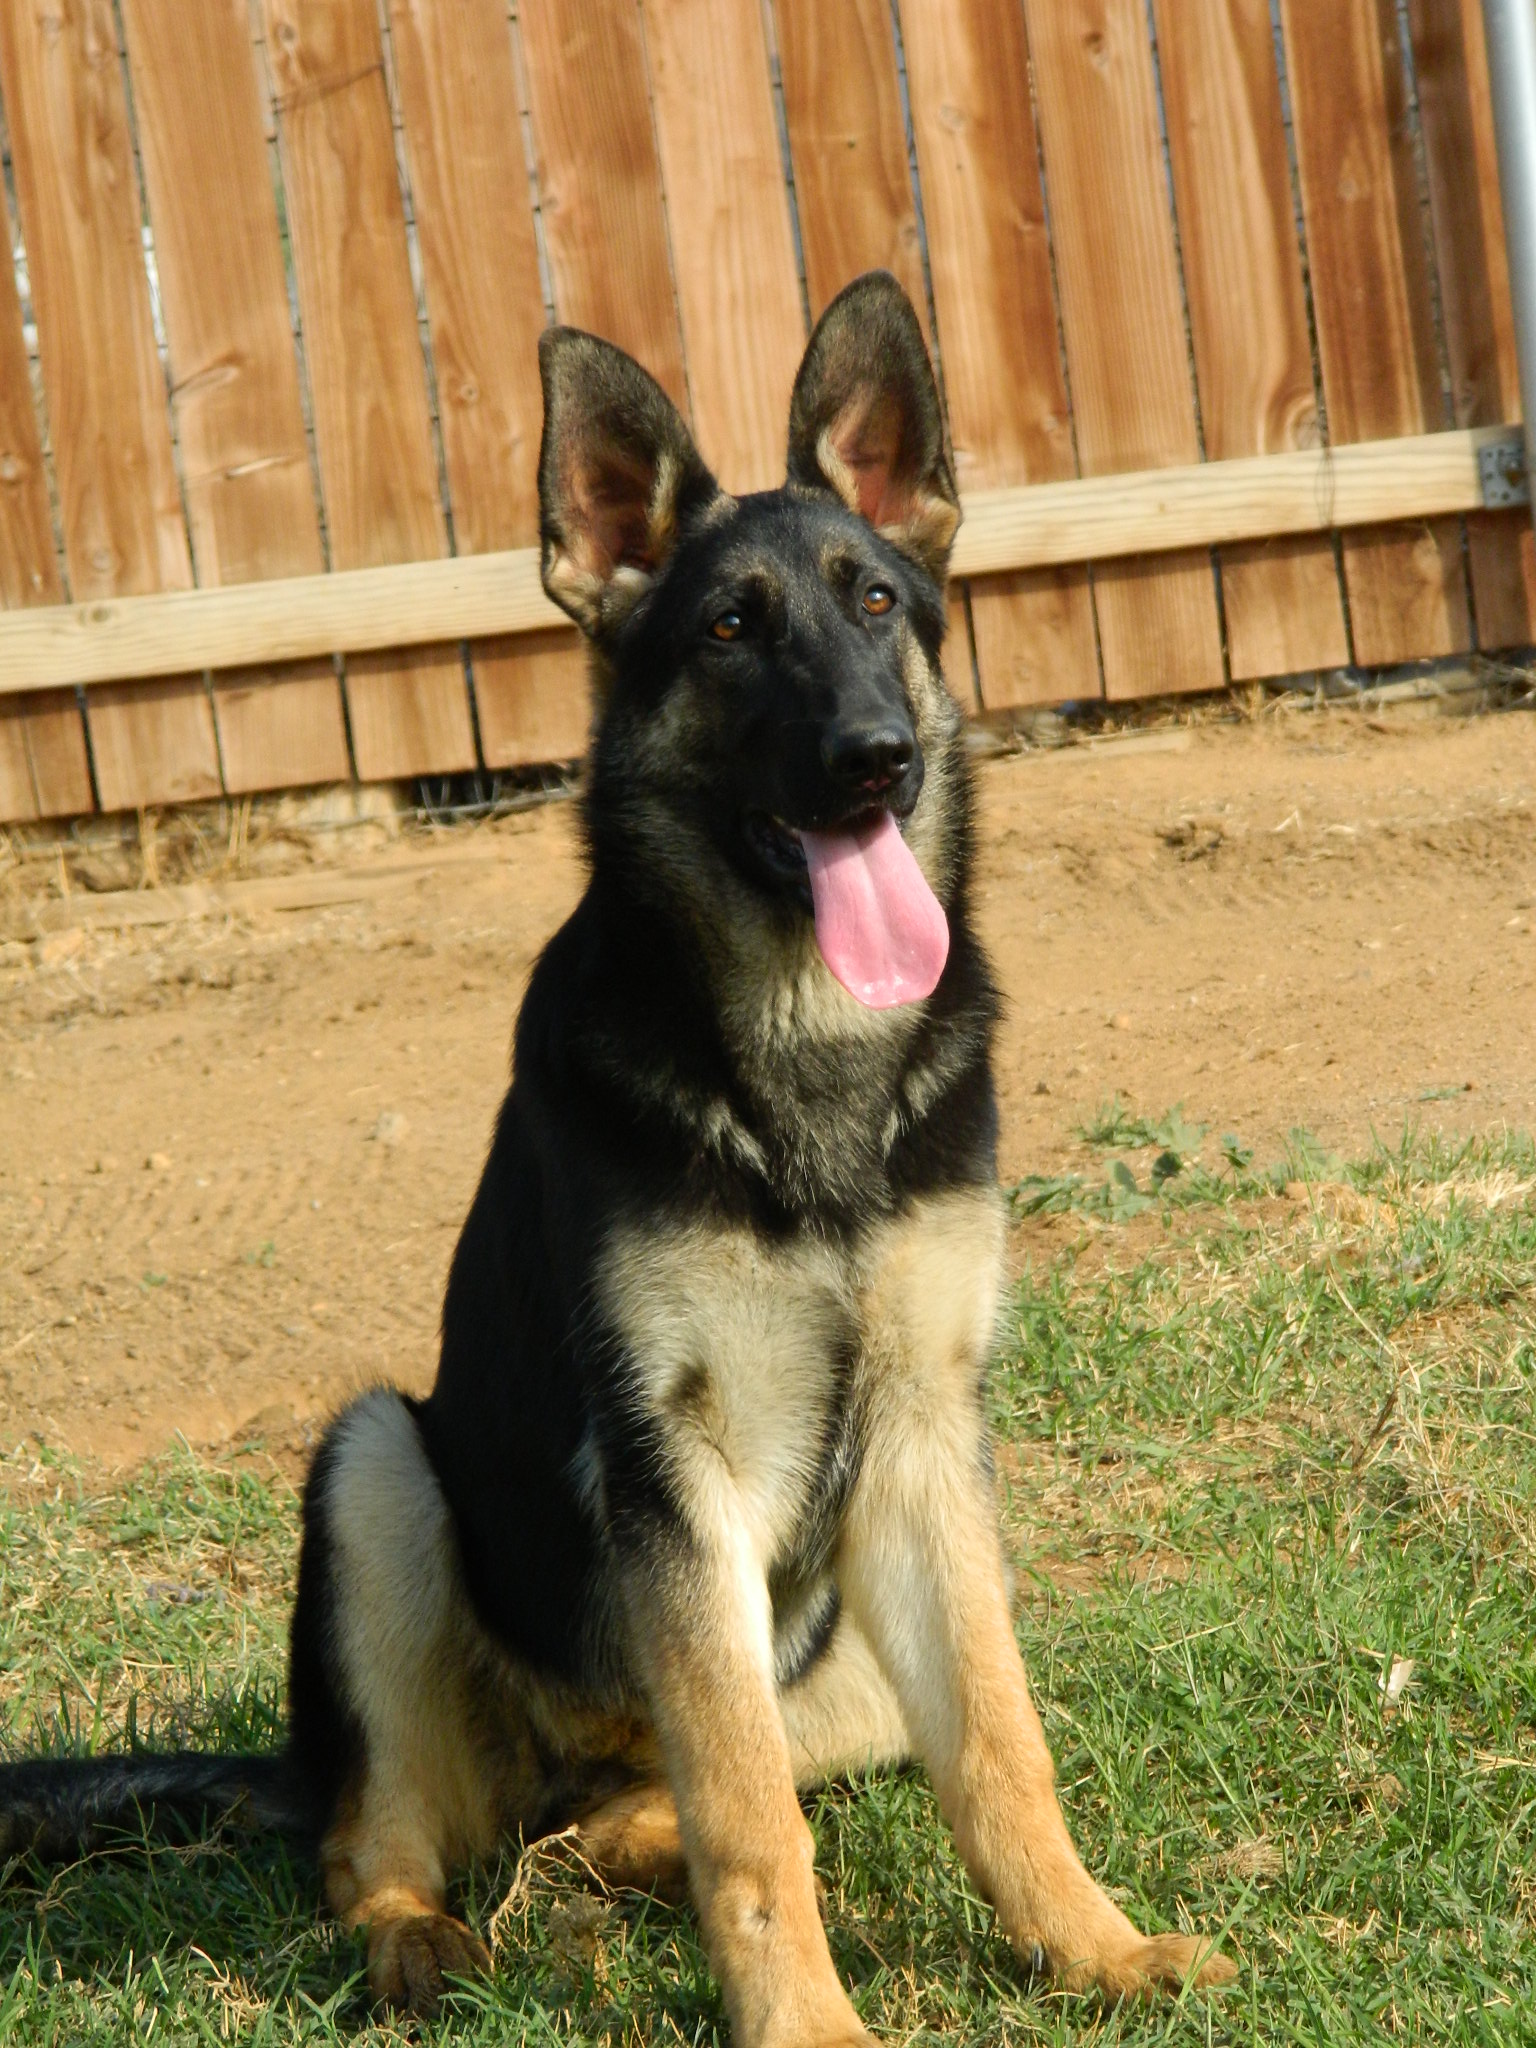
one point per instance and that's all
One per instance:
(880, 928)
(780, 849)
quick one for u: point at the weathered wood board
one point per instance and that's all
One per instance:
(44, 771)
(1370, 292)
(485, 308)
(733, 252)
(968, 80)
(1123, 319)
(1451, 58)
(233, 371)
(1247, 312)
(367, 375)
(119, 499)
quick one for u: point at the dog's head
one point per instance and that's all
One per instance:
(773, 727)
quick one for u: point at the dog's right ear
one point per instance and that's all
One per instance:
(619, 477)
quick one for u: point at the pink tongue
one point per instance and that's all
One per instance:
(878, 924)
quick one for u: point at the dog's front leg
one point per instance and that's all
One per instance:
(700, 1627)
(921, 1570)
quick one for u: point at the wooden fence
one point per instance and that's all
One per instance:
(281, 266)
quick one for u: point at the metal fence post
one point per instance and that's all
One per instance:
(1511, 30)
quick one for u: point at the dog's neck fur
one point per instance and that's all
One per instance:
(815, 1089)
(824, 1083)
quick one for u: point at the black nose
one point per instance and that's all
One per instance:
(868, 756)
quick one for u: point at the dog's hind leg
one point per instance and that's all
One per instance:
(633, 1841)
(839, 1716)
(384, 1620)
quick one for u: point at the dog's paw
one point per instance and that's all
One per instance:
(1164, 1962)
(410, 1961)
(633, 1843)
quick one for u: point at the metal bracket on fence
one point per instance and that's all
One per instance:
(1502, 472)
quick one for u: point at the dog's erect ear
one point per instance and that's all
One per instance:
(864, 420)
(619, 477)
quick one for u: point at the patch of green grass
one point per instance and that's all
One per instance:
(1115, 1128)
(1180, 1177)
(1247, 1477)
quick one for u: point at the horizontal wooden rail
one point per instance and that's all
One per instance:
(471, 596)
(1210, 503)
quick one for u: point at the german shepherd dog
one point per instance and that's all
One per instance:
(700, 1511)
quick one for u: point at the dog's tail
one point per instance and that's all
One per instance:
(61, 1807)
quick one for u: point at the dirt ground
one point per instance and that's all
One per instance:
(241, 1120)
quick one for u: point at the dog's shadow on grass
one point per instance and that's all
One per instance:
(233, 1927)
(231, 1922)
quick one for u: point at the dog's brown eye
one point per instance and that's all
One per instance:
(878, 599)
(727, 626)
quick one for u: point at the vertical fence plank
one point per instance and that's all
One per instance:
(410, 712)
(153, 742)
(1451, 58)
(234, 374)
(738, 292)
(968, 76)
(43, 767)
(44, 772)
(474, 218)
(29, 572)
(18, 791)
(53, 732)
(123, 532)
(848, 146)
(1370, 291)
(1123, 320)
(535, 696)
(1248, 316)
(605, 231)
(600, 181)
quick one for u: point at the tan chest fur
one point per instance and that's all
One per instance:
(743, 1348)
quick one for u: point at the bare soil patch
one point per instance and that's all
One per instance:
(240, 1122)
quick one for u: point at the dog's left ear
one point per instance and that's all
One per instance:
(619, 479)
(864, 421)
